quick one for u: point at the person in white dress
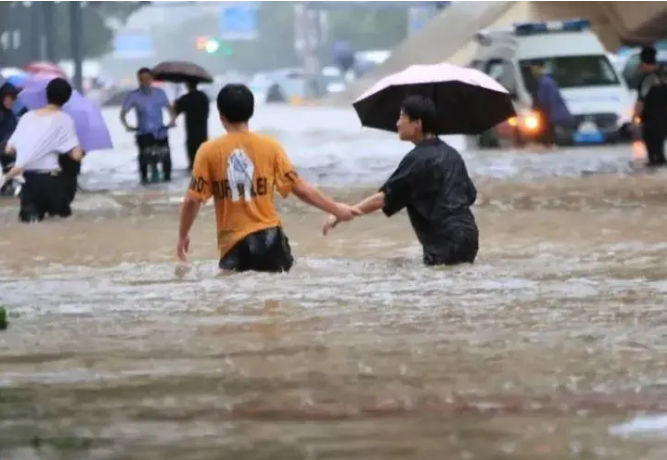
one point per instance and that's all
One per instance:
(40, 137)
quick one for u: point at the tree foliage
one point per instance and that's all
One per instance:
(97, 36)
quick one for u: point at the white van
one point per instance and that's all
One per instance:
(594, 92)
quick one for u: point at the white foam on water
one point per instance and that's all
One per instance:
(171, 200)
(94, 203)
(642, 425)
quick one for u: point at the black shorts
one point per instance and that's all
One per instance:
(263, 251)
(153, 151)
(150, 145)
(459, 246)
(43, 194)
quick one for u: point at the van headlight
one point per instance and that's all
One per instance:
(530, 121)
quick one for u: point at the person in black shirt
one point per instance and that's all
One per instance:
(651, 107)
(8, 122)
(432, 182)
(195, 105)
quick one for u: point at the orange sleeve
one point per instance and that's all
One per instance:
(286, 176)
(201, 186)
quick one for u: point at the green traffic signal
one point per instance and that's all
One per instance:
(213, 45)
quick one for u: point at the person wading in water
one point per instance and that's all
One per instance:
(651, 107)
(39, 139)
(432, 182)
(195, 106)
(8, 122)
(241, 170)
(148, 103)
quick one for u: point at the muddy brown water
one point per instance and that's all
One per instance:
(558, 331)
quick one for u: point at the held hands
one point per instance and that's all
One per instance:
(344, 213)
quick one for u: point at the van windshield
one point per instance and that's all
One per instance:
(573, 71)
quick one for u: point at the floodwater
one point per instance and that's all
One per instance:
(548, 347)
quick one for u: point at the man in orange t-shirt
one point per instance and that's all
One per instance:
(241, 170)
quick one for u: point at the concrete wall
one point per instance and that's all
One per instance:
(449, 37)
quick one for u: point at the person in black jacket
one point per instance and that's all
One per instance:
(651, 107)
(433, 184)
(8, 122)
(195, 106)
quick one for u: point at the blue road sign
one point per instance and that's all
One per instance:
(238, 21)
(133, 45)
(340, 5)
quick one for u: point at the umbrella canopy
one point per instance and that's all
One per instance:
(181, 72)
(18, 80)
(43, 67)
(467, 100)
(91, 128)
(8, 72)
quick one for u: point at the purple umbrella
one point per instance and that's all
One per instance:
(90, 125)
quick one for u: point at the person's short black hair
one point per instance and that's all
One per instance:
(648, 55)
(421, 108)
(58, 92)
(7, 89)
(538, 63)
(236, 103)
(145, 70)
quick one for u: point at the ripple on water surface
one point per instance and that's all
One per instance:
(557, 333)
(383, 348)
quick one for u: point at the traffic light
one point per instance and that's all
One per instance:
(212, 45)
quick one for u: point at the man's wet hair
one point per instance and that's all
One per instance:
(648, 55)
(58, 92)
(236, 103)
(421, 108)
(145, 70)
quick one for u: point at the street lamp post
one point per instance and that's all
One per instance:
(76, 26)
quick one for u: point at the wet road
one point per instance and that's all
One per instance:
(556, 334)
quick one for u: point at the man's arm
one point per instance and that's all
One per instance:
(169, 107)
(128, 103)
(314, 197)
(177, 107)
(76, 154)
(287, 181)
(199, 191)
(372, 203)
(642, 91)
(393, 196)
(10, 149)
(366, 206)
(189, 211)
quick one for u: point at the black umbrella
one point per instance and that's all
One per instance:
(181, 72)
(468, 101)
